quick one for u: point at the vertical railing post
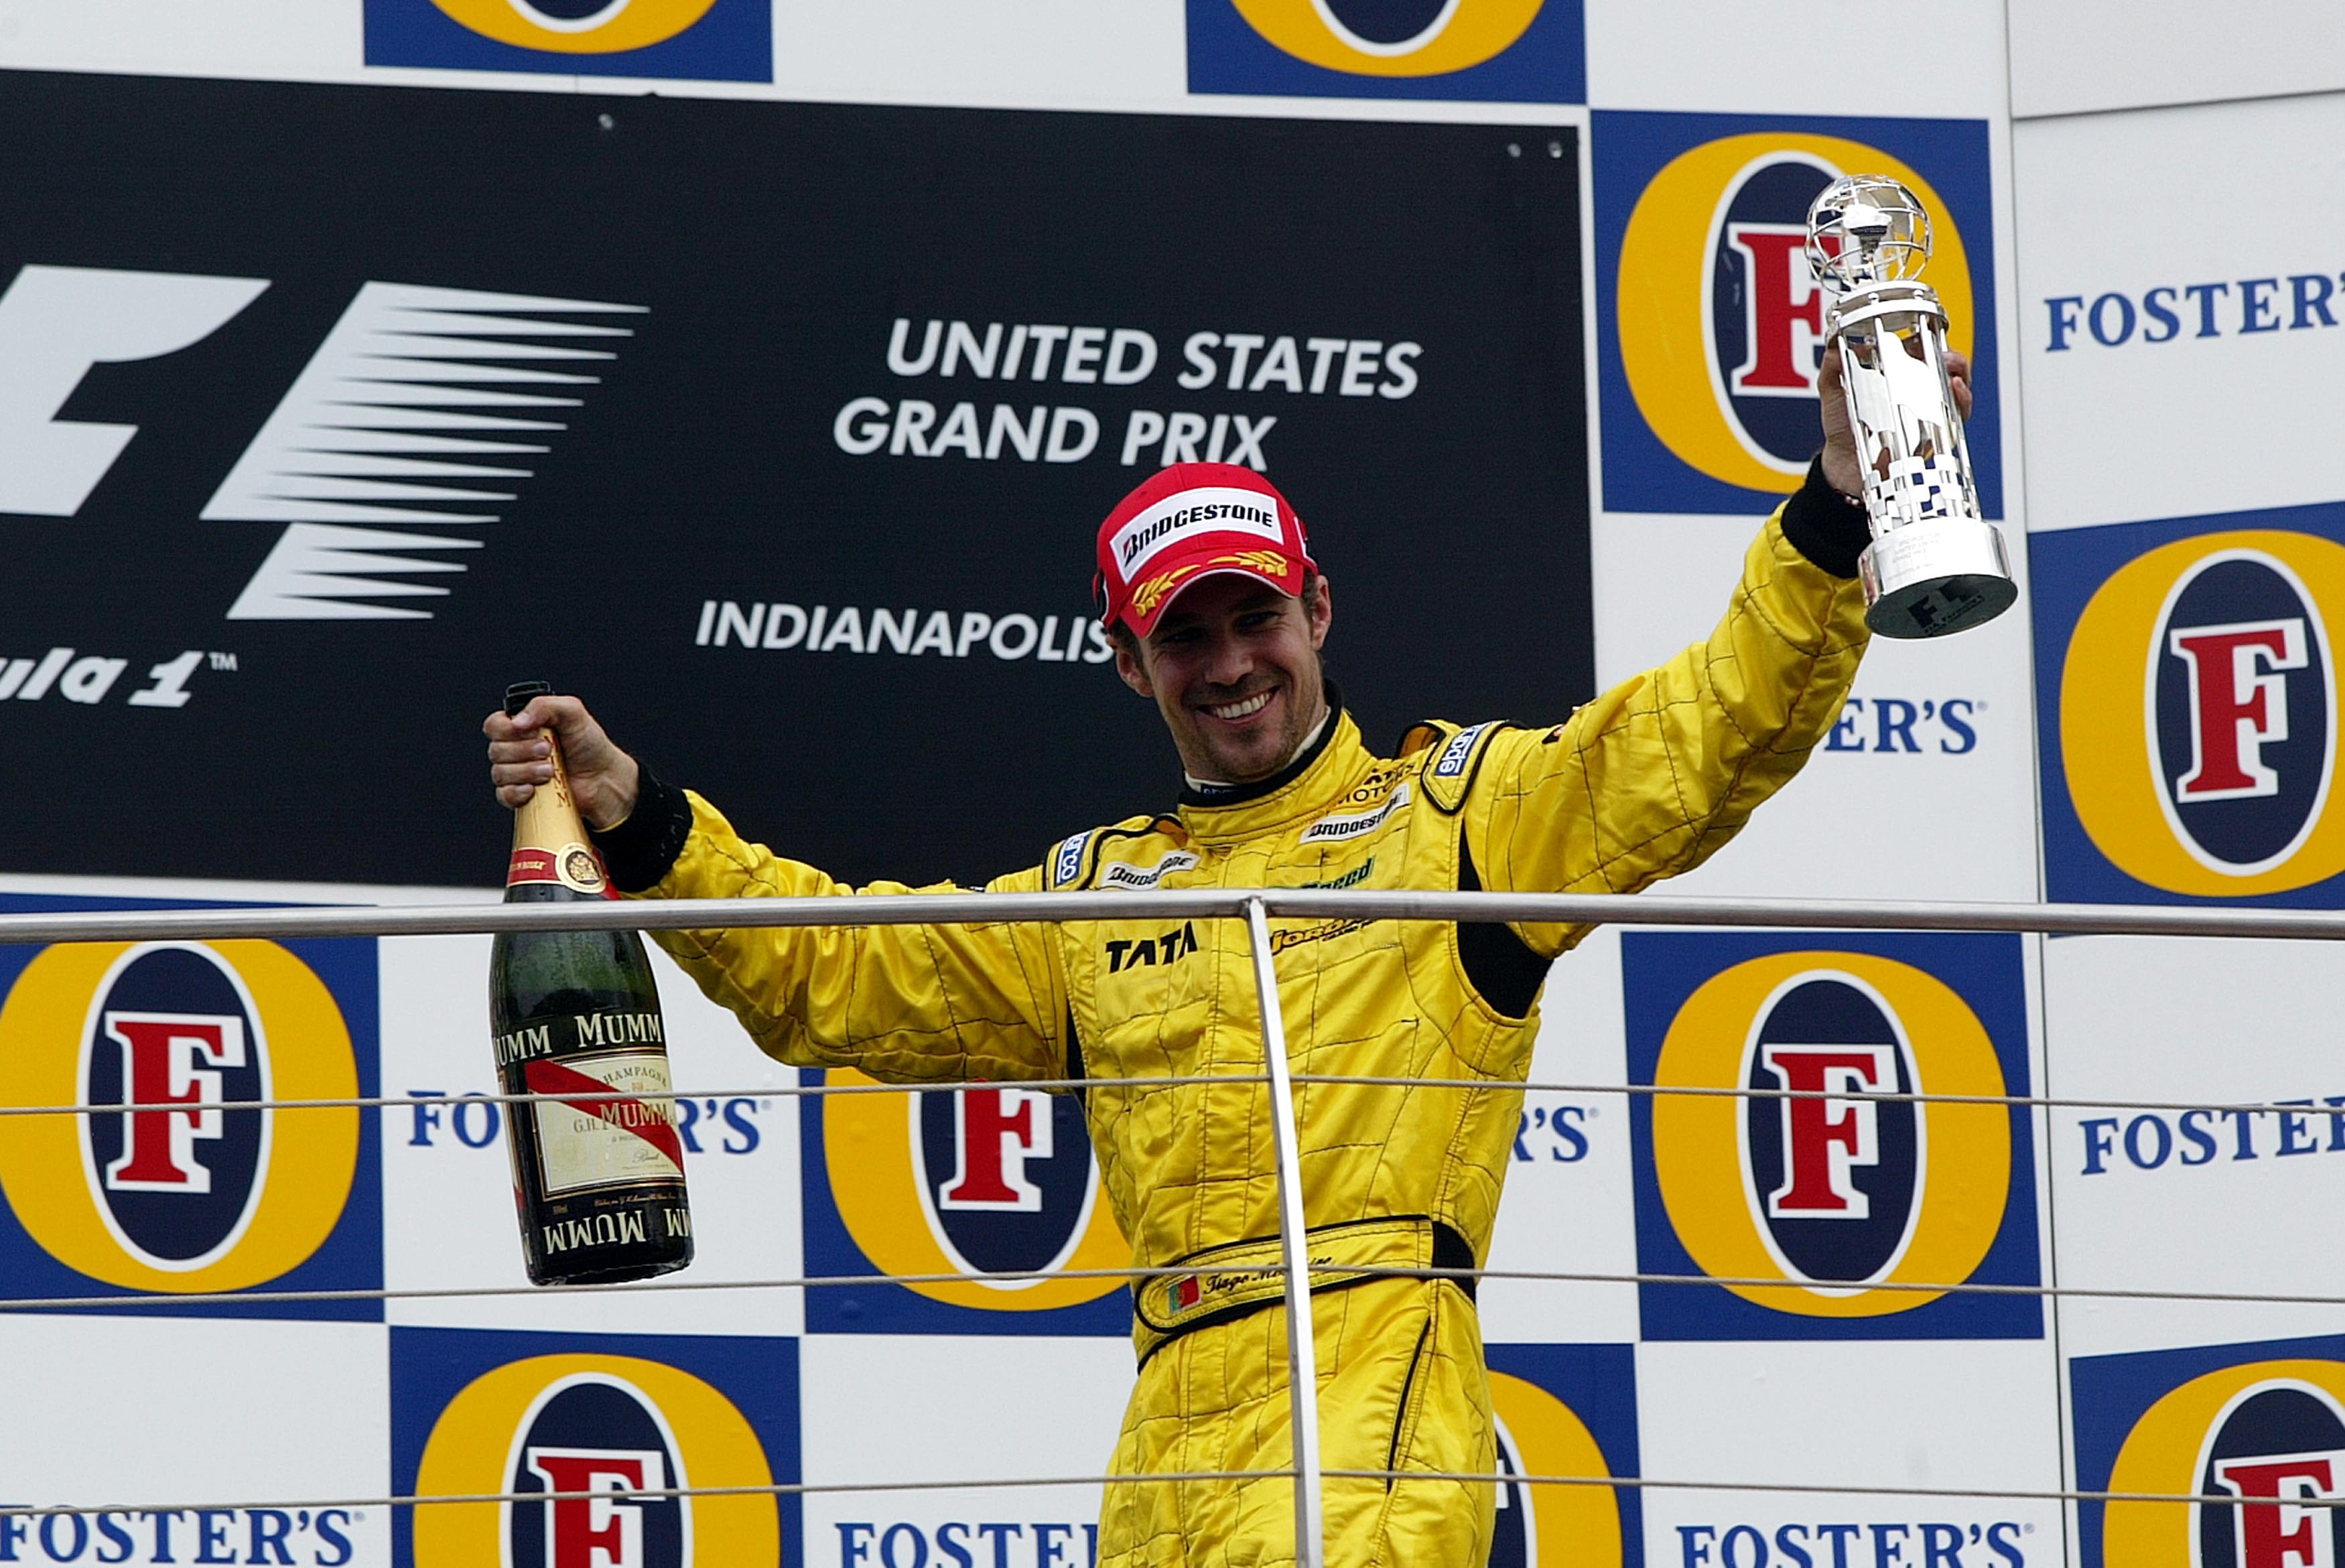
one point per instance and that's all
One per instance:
(1293, 1249)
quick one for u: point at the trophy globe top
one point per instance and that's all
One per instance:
(1865, 230)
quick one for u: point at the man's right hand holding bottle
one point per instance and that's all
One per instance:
(603, 779)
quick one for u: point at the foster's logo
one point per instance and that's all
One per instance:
(1565, 1411)
(1834, 1181)
(2267, 1435)
(177, 1189)
(598, 1433)
(1849, 1200)
(588, 1441)
(982, 1180)
(721, 40)
(2197, 714)
(1716, 320)
(1380, 39)
(577, 26)
(1523, 50)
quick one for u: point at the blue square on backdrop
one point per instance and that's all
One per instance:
(2186, 695)
(1483, 50)
(2166, 1422)
(1839, 1198)
(475, 1411)
(178, 1193)
(1565, 1410)
(728, 41)
(933, 1183)
(1707, 321)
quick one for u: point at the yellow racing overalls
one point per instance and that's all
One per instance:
(1642, 782)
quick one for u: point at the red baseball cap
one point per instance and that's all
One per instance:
(1189, 523)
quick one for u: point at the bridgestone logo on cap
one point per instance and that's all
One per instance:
(1191, 512)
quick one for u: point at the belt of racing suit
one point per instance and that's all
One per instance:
(1238, 1278)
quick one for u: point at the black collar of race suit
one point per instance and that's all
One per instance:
(1215, 795)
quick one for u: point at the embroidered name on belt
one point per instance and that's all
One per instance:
(1243, 1277)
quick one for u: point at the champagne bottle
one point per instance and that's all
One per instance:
(598, 1183)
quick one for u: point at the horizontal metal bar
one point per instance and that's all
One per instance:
(1175, 904)
(641, 1494)
(147, 1300)
(2307, 1106)
(1153, 1478)
(461, 1099)
(455, 1099)
(2332, 1108)
(1834, 1489)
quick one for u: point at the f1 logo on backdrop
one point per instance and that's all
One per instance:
(612, 1418)
(177, 1189)
(1519, 51)
(2260, 1423)
(1832, 1194)
(706, 40)
(1710, 321)
(982, 1180)
(2193, 718)
(413, 414)
(1565, 1409)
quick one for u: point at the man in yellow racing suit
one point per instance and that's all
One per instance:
(1642, 782)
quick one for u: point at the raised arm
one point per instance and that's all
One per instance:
(916, 1003)
(1651, 778)
(1648, 780)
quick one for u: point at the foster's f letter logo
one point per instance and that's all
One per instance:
(1710, 321)
(995, 1133)
(2261, 1440)
(594, 1447)
(170, 1067)
(1825, 1138)
(2198, 725)
(989, 1180)
(1822, 1196)
(182, 1179)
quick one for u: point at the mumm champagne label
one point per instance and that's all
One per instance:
(550, 838)
(585, 1032)
(619, 1130)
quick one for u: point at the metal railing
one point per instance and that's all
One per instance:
(1256, 908)
(1178, 904)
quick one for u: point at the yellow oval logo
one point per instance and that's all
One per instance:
(1576, 1526)
(177, 1190)
(1429, 38)
(2270, 1434)
(2199, 728)
(986, 1179)
(1720, 318)
(1837, 1198)
(601, 1424)
(577, 26)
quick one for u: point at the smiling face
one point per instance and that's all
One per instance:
(1233, 666)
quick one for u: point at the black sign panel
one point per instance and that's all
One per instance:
(780, 432)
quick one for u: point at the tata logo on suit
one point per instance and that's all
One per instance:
(993, 1179)
(2258, 1429)
(2191, 719)
(172, 1188)
(1712, 322)
(1825, 1216)
(1522, 51)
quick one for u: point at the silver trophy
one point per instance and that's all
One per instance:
(1934, 565)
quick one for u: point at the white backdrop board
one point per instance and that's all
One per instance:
(2141, 232)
